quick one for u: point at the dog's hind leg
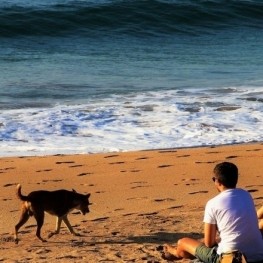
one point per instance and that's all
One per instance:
(39, 216)
(23, 219)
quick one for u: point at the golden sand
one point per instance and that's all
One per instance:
(140, 200)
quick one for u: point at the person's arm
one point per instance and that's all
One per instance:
(210, 235)
(260, 213)
(260, 218)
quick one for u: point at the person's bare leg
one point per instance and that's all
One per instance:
(186, 248)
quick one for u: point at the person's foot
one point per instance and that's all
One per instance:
(170, 253)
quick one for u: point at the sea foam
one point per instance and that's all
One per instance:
(150, 120)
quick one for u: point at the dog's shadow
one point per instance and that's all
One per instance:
(162, 237)
(155, 238)
(87, 240)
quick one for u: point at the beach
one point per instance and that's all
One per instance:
(134, 102)
(140, 200)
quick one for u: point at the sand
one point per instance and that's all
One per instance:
(140, 200)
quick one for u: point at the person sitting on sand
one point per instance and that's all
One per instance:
(231, 216)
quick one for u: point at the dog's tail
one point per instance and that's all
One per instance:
(19, 194)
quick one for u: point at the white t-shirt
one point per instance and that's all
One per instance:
(234, 213)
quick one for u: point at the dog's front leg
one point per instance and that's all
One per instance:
(70, 228)
(58, 225)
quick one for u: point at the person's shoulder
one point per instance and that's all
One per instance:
(241, 191)
(243, 194)
(213, 199)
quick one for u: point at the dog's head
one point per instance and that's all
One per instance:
(83, 203)
(84, 207)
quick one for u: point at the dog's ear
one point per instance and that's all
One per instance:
(74, 191)
(87, 195)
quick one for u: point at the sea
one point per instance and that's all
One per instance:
(96, 76)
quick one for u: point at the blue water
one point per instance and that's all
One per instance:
(98, 76)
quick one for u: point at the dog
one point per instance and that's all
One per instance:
(58, 203)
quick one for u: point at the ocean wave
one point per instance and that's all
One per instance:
(137, 17)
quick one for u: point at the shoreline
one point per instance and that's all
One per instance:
(135, 150)
(141, 199)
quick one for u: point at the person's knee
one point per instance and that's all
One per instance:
(260, 213)
(182, 241)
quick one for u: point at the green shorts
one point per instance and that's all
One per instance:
(207, 254)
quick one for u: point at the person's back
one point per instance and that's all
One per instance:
(234, 213)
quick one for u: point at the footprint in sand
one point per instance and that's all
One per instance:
(117, 163)
(78, 243)
(175, 207)
(30, 226)
(82, 174)
(129, 214)
(7, 168)
(46, 170)
(148, 214)
(76, 165)
(191, 179)
(6, 239)
(7, 185)
(254, 185)
(137, 198)
(198, 192)
(252, 190)
(164, 200)
(119, 209)
(55, 180)
(65, 162)
(254, 150)
(142, 158)
(165, 166)
(231, 157)
(6, 199)
(135, 171)
(204, 162)
(42, 251)
(139, 184)
(14, 211)
(115, 233)
(100, 219)
(110, 156)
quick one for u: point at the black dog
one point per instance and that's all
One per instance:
(58, 203)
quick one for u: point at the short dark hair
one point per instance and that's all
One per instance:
(227, 174)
